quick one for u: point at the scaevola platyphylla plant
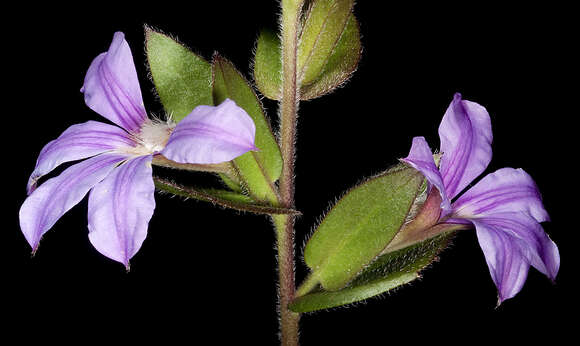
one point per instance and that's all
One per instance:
(379, 235)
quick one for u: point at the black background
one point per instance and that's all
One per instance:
(209, 274)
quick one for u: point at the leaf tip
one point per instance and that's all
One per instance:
(149, 32)
(216, 56)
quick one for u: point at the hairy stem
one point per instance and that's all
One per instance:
(285, 223)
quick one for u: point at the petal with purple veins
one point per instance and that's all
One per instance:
(120, 208)
(507, 266)
(78, 142)
(56, 196)
(421, 158)
(211, 135)
(505, 190)
(540, 250)
(511, 242)
(111, 86)
(466, 136)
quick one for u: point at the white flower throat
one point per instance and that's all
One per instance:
(152, 137)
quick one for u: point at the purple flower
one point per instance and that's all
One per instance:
(117, 170)
(505, 207)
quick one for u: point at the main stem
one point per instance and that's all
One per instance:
(285, 223)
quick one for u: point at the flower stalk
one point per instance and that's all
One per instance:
(223, 167)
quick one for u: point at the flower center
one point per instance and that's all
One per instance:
(152, 137)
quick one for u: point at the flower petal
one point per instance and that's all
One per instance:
(542, 252)
(511, 242)
(56, 196)
(507, 266)
(505, 190)
(211, 135)
(112, 88)
(78, 142)
(465, 134)
(120, 208)
(421, 158)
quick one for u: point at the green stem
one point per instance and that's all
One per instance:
(285, 223)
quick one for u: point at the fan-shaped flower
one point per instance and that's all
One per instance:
(505, 207)
(117, 167)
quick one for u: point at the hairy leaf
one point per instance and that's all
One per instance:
(268, 65)
(340, 65)
(324, 24)
(387, 272)
(258, 170)
(182, 78)
(359, 227)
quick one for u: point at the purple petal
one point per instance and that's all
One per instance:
(511, 242)
(507, 266)
(120, 208)
(421, 158)
(539, 249)
(112, 89)
(465, 134)
(78, 142)
(56, 196)
(211, 135)
(505, 190)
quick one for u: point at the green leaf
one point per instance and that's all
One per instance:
(227, 199)
(231, 183)
(324, 24)
(258, 170)
(387, 272)
(268, 65)
(329, 52)
(359, 227)
(340, 65)
(182, 78)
